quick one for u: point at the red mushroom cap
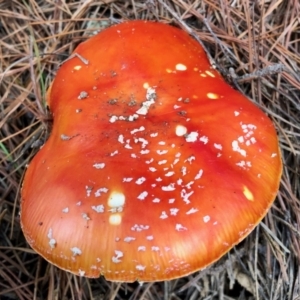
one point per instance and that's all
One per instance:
(155, 166)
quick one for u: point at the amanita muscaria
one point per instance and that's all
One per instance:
(155, 166)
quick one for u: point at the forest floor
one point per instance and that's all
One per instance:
(255, 46)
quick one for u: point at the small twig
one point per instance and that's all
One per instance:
(269, 70)
(73, 55)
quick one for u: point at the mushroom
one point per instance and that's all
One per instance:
(155, 166)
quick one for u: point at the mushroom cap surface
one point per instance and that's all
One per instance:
(155, 166)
